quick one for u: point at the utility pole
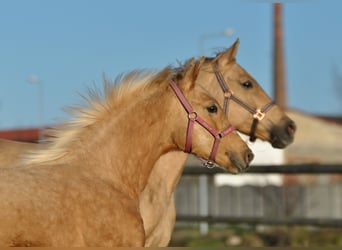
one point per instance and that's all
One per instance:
(280, 95)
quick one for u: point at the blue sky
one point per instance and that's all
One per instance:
(66, 45)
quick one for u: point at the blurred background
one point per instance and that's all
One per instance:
(52, 50)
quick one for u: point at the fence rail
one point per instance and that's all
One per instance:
(311, 168)
(320, 222)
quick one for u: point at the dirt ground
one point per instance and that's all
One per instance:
(261, 236)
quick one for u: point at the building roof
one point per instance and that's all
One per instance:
(24, 134)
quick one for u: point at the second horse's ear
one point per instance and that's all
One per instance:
(229, 55)
(192, 70)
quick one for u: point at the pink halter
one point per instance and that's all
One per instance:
(194, 117)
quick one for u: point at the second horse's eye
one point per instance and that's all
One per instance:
(247, 84)
(212, 109)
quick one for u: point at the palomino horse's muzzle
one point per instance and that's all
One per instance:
(258, 114)
(194, 117)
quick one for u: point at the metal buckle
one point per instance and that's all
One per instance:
(259, 115)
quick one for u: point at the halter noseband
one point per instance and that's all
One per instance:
(194, 117)
(258, 114)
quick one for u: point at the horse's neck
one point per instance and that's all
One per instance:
(128, 145)
(167, 172)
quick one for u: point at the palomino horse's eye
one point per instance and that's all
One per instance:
(212, 109)
(247, 84)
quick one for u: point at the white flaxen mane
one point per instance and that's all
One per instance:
(97, 105)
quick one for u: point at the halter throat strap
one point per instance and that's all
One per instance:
(193, 117)
(258, 114)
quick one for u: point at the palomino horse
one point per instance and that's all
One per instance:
(83, 188)
(156, 201)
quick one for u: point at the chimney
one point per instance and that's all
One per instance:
(278, 64)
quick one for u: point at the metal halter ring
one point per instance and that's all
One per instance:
(192, 116)
(259, 115)
(208, 164)
(228, 94)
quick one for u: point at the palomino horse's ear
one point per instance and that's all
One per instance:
(189, 69)
(197, 67)
(229, 55)
(192, 70)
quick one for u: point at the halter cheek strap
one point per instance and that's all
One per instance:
(194, 117)
(258, 114)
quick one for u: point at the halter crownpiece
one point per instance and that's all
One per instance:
(194, 117)
(258, 114)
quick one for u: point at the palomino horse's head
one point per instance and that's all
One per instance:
(246, 104)
(207, 132)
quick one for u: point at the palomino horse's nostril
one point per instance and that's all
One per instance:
(291, 128)
(250, 156)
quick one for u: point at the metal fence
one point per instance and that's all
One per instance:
(317, 204)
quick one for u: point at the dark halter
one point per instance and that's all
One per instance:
(258, 114)
(194, 117)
